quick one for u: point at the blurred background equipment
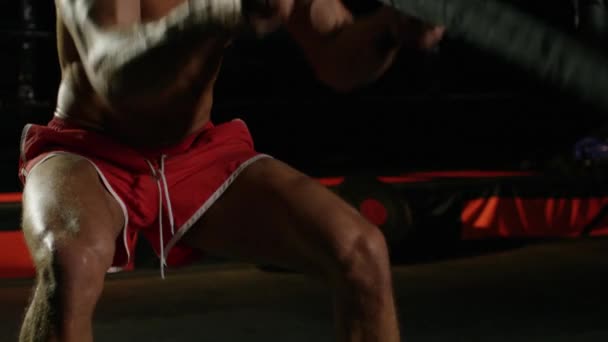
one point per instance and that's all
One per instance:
(27, 70)
(519, 38)
(29, 76)
(591, 19)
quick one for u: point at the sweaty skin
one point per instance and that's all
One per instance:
(143, 71)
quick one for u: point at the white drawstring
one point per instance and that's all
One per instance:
(163, 191)
(167, 198)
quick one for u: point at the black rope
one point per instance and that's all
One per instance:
(596, 221)
(522, 39)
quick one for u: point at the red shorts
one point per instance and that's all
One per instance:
(164, 192)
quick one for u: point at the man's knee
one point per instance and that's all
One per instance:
(68, 239)
(69, 282)
(71, 260)
(362, 255)
(83, 268)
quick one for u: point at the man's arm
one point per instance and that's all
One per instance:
(128, 61)
(345, 52)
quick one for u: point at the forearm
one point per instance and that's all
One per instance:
(139, 62)
(364, 50)
(354, 53)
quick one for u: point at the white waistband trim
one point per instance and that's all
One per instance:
(181, 231)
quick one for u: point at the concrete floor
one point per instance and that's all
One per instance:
(546, 292)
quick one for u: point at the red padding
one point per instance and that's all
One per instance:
(416, 177)
(374, 211)
(15, 260)
(10, 197)
(512, 217)
(471, 174)
(403, 179)
(335, 181)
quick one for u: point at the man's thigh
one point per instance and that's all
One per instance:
(64, 199)
(275, 214)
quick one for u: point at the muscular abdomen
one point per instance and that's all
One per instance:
(186, 109)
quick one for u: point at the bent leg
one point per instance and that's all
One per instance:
(70, 223)
(274, 214)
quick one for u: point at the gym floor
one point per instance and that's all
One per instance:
(552, 291)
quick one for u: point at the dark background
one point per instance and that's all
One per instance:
(454, 108)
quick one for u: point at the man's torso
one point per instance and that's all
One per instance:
(77, 101)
